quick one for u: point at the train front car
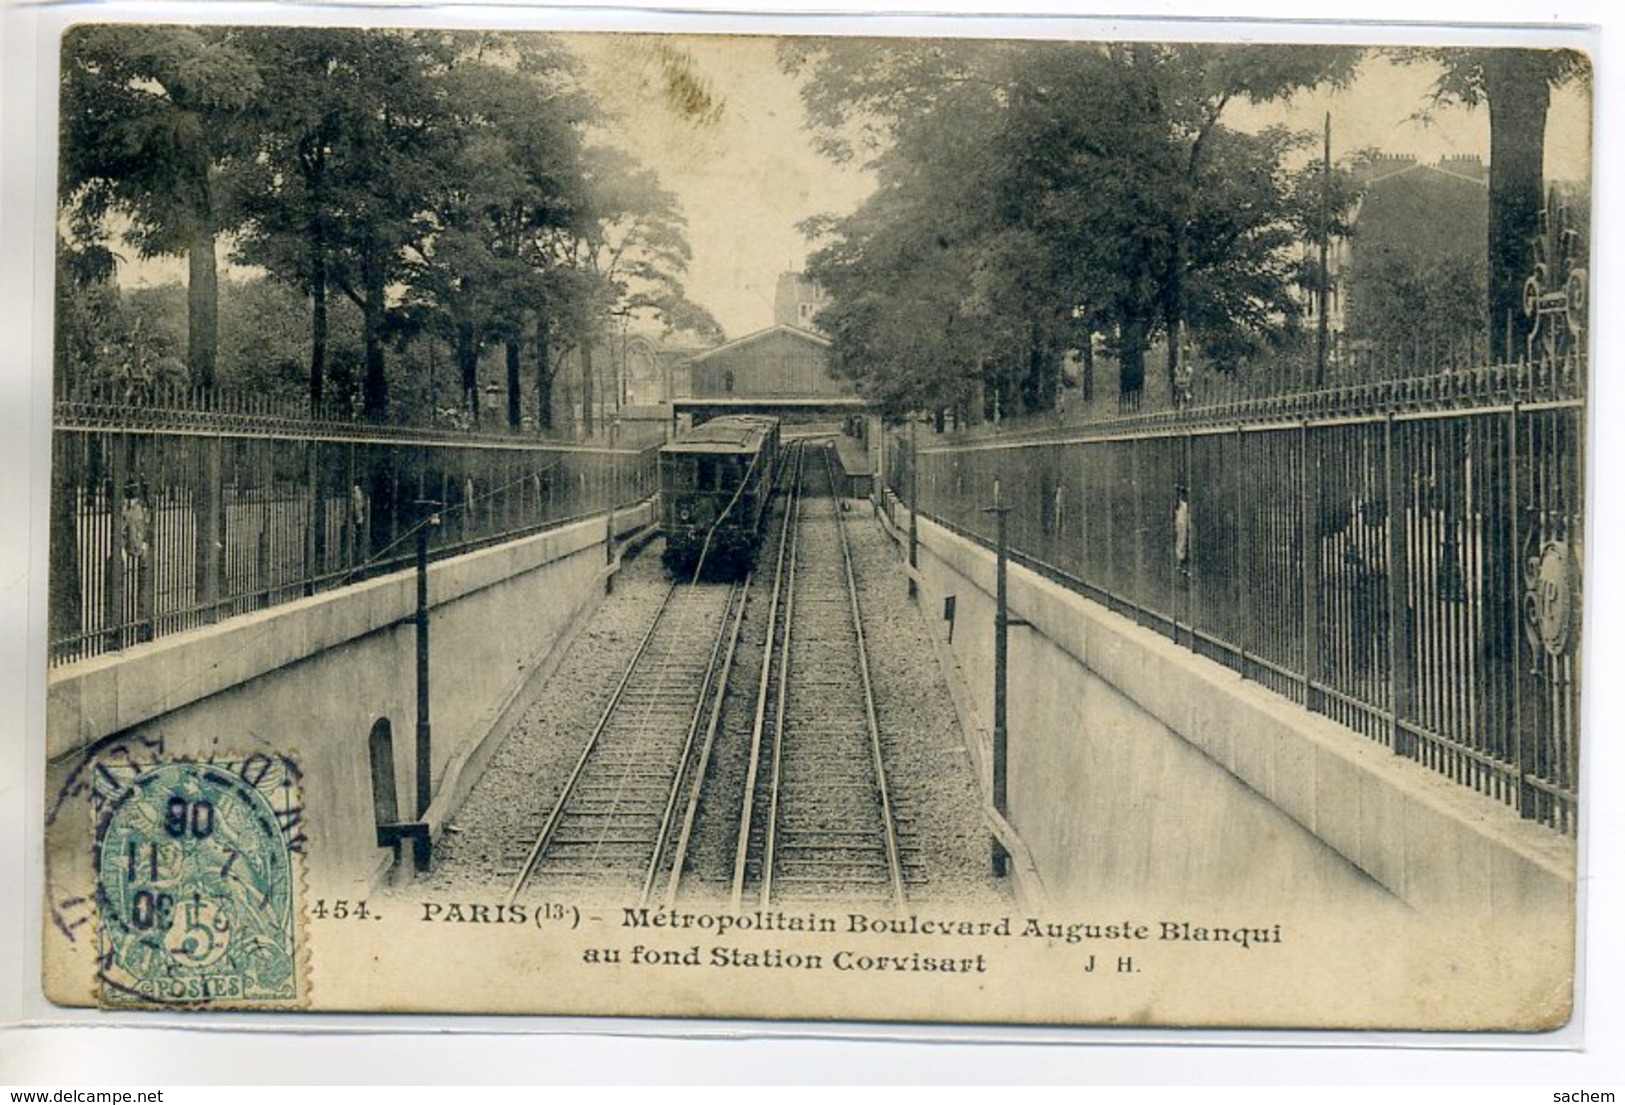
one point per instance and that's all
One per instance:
(714, 485)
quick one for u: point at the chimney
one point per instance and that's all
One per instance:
(1466, 164)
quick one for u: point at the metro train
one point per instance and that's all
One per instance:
(715, 484)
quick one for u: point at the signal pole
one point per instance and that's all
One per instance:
(1323, 292)
(1001, 675)
(913, 508)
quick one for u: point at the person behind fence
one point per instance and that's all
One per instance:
(358, 521)
(1365, 558)
(1182, 530)
(135, 521)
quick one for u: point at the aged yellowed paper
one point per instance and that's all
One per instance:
(1003, 531)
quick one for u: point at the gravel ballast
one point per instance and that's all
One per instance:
(944, 840)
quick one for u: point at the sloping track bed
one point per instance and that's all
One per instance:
(610, 828)
(817, 824)
(714, 747)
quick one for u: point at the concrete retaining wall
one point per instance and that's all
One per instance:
(1138, 769)
(310, 678)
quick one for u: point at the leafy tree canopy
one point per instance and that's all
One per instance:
(1034, 194)
(408, 186)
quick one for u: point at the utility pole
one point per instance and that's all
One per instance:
(1323, 292)
(1001, 675)
(614, 494)
(913, 508)
(428, 518)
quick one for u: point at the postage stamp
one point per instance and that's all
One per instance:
(196, 888)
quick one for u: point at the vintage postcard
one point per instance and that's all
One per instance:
(1052, 531)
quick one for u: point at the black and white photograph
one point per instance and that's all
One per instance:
(1070, 531)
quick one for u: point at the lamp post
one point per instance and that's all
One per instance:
(392, 833)
(1323, 292)
(913, 508)
(1001, 673)
(429, 518)
(614, 496)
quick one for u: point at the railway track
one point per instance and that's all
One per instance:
(816, 821)
(622, 809)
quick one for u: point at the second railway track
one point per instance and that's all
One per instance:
(619, 811)
(818, 822)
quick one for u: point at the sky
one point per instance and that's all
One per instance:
(746, 175)
(1382, 109)
(745, 181)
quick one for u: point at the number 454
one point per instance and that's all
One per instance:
(340, 909)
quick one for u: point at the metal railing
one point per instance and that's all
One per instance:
(137, 404)
(162, 522)
(1403, 558)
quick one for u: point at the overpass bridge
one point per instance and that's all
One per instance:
(792, 408)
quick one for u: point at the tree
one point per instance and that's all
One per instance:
(629, 251)
(1067, 188)
(1197, 213)
(353, 138)
(935, 293)
(88, 311)
(900, 327)
(265, 338)
(150, 116)
(563, 310)
(862, 95)
(1516, 86)
(516, 183)
(1089, 170)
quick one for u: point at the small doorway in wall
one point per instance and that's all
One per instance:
(386, 804)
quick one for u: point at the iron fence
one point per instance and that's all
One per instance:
(1402, 558)
(162, 523)
(124, 404)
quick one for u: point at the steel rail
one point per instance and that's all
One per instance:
(894, 863)
(748, 803)
(770, 829)
(721, 662)
(719, 700)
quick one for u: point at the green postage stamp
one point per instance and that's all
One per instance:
(195, 887)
